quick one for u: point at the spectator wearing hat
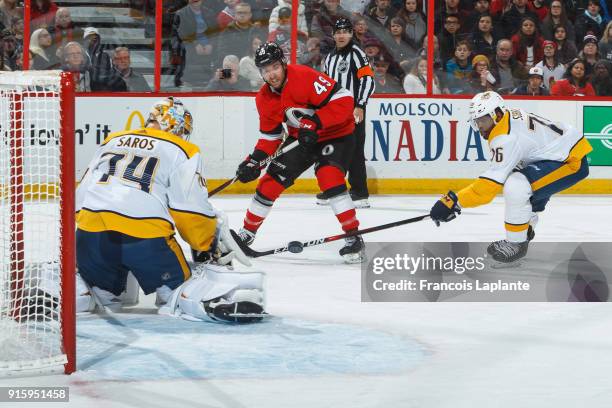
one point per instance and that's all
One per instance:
(574, 82)
(557, 16)
(274, 16)
(482, 79)
(43, 56)
(323, 24)
(385, 82)
(484, 38)
(566, 48)
(551, 66)
(134, 81)
(416, 27)
(602, 78)
(605, 44)
(42, 13)
(459, 69)
(63, 30)
(415, 82)
(527, 43)
(10, 50)
(100, 60)
(589, 22)
(534, 86)
(589, 54)
(282, 35)
(511, 20)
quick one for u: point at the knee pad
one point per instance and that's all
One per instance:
(517, 189)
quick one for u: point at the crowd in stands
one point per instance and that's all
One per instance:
(524, 47)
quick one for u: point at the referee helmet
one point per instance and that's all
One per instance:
(343, 24)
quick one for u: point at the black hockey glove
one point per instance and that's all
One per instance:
(445, 209)
(307, 133)
(249, 169)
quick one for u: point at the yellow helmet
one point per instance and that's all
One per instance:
(172, 117)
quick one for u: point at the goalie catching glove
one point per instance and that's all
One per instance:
(445, 209)
(249, 169)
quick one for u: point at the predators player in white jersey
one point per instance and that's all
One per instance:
(532, 158)
(141, 186)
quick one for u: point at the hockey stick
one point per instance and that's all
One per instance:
(297, 246)
(262, 164)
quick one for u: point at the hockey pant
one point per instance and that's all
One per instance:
(527, 191)
(330, 159)
(105, 258)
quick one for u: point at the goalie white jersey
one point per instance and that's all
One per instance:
(143, 183)
(522, 138)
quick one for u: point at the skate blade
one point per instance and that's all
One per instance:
(262, 315)
(361, 204)
(322, 202)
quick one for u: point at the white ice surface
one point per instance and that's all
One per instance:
(324, 348)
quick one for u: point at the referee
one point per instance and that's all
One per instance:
(349, 66)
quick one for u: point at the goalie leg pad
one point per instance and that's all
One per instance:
(215, 293)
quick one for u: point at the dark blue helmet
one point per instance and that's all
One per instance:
(343, 24)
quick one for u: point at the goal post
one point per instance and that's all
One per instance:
(37, 228)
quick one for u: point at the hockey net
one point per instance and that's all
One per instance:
(37, 319)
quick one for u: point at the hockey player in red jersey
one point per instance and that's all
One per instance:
(318, 113)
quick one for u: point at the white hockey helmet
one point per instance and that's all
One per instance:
(172, 117)
(486, 103)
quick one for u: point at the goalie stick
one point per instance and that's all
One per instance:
(262, 164)
(297, 247)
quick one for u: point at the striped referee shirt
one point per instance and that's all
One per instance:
(349, 66)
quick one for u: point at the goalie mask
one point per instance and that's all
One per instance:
(172, 117)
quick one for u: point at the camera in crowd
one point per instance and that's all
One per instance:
(226, 73)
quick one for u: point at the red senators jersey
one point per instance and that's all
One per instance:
(304, 88)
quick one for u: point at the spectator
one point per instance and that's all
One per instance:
(274, 21)
(228, 14)
(416, 27)
(602, 78)
(100, 60)
(450, 8)
(511, 73)
(262, 9)
(43, 56)
(282, 34)
(480, 7)
(527, 43)
(134, 81)
(422, 52)
(10, 50)
(313, 7)
(484, 39)
(482, 79)
(360, 31)
(605, 45)
(574, 82)
(247, 67)
(8, 11)
(459, 69)
(398, 44)
(191, 45)
(235, 39)
(17, 29)
(228, 77)
(539, 8)
(63, 30)
(449, 37)
(499, 7)
(75, 59)
(380, 14)
(534, 86)
(589, 54)
(323, 23)
(415, 82)
(557, 16)
(590, 22)
(551, 67)
(511, 20)
(355, 7)
(42, 14)
(566, 49)
(313, 57)
(385, 82)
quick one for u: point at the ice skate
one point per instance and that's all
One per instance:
(353, 250)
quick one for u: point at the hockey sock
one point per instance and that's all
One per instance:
(267, 192)
(331, 182)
